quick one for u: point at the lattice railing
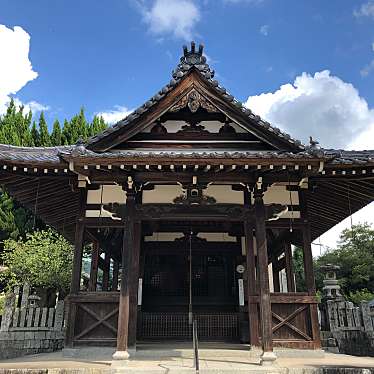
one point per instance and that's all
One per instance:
(211, 326)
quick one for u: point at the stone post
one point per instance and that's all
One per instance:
(331, 295)
(8, 312)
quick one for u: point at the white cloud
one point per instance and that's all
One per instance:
(322, 106)
(115, 115)
(366, 10)
(264, 30)
(15, 67)
(35, 106)
(177, 18)
(365, 71)
(330, 110)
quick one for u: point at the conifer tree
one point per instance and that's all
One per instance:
(65, 134)
(56, 136)
(35, 139)
(15, 126)
(44, 137)
(98, 125)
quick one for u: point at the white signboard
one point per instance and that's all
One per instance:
(241, 292)
(140, 291)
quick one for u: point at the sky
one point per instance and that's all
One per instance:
(306, 66)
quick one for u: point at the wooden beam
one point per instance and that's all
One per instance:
(124, 302)
(308, 268)
(133, 283)
(251, 285)
(263, 275)
(289, 267)
(77, 269)
(94, 266)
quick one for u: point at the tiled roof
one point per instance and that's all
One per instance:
(340, 156)
(195, 59)
(56, 155)
(12, 153)
(193, 154)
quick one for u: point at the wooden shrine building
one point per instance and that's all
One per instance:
(190, 204)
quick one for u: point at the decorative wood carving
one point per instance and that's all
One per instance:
(193, 128)
(159, 128)
(194, 238)
(194, 195)
(232, 212)
(193, 100)
(227, 129)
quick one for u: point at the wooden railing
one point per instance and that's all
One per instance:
(295, 320)
(92, 318)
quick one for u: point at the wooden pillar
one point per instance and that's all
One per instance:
(251, 285)
(115, 275)
(77, 268)
(268, 356)
(77, 261)
(134, 284)
(307, 245)
(106, 270)
(94, 265)
(289, 267)
(276, 270)
(124, 302)
(308, 268)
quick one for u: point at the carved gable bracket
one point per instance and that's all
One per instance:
(194, 100)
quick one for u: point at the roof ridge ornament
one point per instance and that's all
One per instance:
(193, 58)
(79, 148)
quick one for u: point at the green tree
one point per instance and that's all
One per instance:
(43, 259)
(354, 254)
(35, 138)
(298, 268)
(8, 227)
(15, 126)
(56, 136)
(76, 129)
(15, 221)
(97, 125)
(44, 137)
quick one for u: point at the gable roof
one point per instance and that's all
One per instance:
(193, 62)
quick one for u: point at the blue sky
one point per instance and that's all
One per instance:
(118, 53)
(306, 66)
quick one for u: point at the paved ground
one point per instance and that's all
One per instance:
(213, 361)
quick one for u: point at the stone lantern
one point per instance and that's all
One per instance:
(331, 288)
(33, 300)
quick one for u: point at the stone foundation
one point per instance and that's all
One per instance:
(19, 343)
